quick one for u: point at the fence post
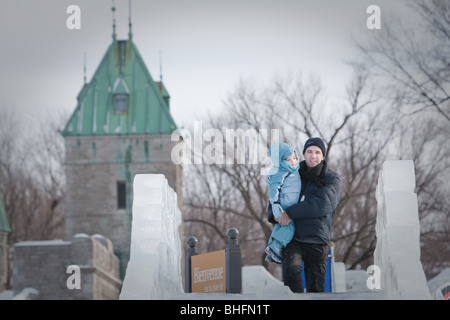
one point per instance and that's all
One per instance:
(233, 262)
(192, 251)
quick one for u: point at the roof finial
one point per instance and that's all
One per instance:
(130, 34)
(160, 67)
(84, 66)
(113, 9)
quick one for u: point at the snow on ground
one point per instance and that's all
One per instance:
(439, 284)
(259, 284)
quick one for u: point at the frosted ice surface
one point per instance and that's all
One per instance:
(339, 279)
(399, 175)
(154, 269)
(397, 252)
(406, 210)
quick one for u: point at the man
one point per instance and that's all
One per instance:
(312, 217)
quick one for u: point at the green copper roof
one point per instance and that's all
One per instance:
(121, 98)
(4, 225)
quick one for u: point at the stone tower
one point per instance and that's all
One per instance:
(121, 126)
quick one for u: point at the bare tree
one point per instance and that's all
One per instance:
(411, 63)
(354, 223)
(32, 179)
(230, 192)
(425, 143)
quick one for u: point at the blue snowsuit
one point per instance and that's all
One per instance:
(284, 190)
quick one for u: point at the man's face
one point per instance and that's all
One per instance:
(313, 156)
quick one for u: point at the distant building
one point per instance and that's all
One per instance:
(121, 126)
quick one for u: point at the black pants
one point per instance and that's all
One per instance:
(314, 257)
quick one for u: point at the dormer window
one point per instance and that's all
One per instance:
(120, 102)
(120, 96)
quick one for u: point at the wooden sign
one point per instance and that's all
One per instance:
(208, 272)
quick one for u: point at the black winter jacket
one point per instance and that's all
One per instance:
(313, 214)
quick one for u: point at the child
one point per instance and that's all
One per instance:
(284, 191)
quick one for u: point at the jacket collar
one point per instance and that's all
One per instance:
(315, 174)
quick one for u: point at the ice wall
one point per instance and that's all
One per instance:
(154, 269)
(397, 252)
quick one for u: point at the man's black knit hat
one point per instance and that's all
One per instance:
(315, 142)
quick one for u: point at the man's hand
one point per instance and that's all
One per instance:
(284, 219)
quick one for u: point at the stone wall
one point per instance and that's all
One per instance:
(47, 266)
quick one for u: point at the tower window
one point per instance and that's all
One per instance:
(121, 195)
(121, 102)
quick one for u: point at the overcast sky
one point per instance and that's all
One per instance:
(206, 46)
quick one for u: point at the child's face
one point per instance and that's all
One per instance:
(292, 159)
